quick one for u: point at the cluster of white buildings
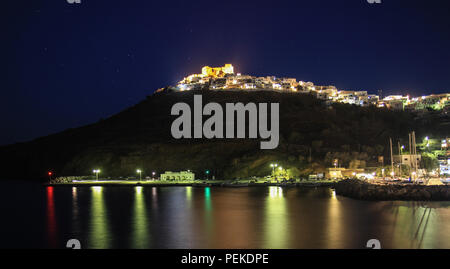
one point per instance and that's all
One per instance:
(224, 78)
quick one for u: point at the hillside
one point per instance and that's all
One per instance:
(139, 137)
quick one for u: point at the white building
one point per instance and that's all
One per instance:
(182, 175)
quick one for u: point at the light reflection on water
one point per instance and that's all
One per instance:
(334, 222)
(140, 237)
(99, 236)
(51, 218)
(273, 217)
(276, 220)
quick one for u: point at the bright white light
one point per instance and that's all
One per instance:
(276, 192)
(97, 189)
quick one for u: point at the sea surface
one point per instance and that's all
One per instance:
(35, 216)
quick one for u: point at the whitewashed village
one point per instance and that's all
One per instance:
(225, 78)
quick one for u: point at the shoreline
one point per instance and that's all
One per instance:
(188, 184)
(352, 188)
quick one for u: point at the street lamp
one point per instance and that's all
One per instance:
(139, 171)
(207, 174)
(153, 174)
(273, 165)
(96, 172)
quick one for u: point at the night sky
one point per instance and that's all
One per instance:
(66, 65)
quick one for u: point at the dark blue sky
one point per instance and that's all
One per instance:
(66, 65)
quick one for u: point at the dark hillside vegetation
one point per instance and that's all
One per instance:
(311, 134)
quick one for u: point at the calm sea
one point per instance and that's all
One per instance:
(34, 216)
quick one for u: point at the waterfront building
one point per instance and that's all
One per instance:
(176, 176)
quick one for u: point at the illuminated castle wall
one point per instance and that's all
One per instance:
(217, 72)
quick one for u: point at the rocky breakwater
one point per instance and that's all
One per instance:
(66, 180)
(358, 189)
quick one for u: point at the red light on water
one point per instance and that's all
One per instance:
(50, 194)
(51, 218)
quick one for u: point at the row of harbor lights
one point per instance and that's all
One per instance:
(139, 171)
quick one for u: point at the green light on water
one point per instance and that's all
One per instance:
(208, 198)
(209, 224)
